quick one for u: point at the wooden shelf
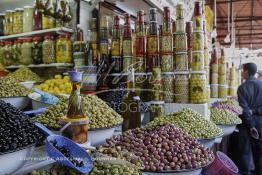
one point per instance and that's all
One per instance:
(37, 33)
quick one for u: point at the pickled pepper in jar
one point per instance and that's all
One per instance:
(64, 49)
(48, 49)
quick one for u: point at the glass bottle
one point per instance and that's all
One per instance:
(140, 54)
(59, 13)
(127, 44)
(130, 105)
(115, 51)
(153, 41)
(37, 21)
(48, 20)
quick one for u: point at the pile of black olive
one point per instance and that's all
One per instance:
(163, 148)
(16, 129)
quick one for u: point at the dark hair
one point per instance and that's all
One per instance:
(251, 68)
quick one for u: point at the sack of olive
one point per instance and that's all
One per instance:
(99, 113)
(224, 117)
(9, 87)
(163, 147)
(16, 129)
(25, 74)
(191, 122)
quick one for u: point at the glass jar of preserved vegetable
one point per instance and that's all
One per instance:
(181, 61)
(37, 50)
(28, 19)
(156, 109)
(9, 17)
(155, 84)
(198, 61)
(214, 90)
(167, 64)
(181, 87)
(64, 49)
(18, 20)
(181, 42)
(2, 24)
(198, 87)
(15, 53)
(48, 49)
(26, 51)
(222, 91)
(8, 55)
(168, 87)
(198, 41)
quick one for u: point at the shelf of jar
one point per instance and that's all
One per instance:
(41, 65)
(58, 30)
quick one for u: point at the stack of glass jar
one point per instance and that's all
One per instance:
(181, 82)
(222, 74)
(198, 81)
(36, 50)
(43, 15)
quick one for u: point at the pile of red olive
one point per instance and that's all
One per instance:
(163, 148)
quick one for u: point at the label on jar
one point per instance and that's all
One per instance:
(167, 63)
(166, 44)
(198, 41)
(127, 48)
(115, 51)
(104, 48)
(141, 42)
(152, 45)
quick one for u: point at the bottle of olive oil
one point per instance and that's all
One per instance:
(130, 104)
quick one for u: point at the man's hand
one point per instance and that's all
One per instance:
(254, 133)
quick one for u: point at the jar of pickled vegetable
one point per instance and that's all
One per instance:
(168, 87)
(48, 50)
(180, 25)
(198, 41)
(198, 61)
(181, 42)
(18, 20)
(140, 80)
(26, 52)
(207, 74)
(64, 49)
(9, 17)
(198, 87)
(214, 90)
(181, 61)
(2, 52)
(48, 22)
(167, 64)
(208, 94)
(37, 50)
(2, 24)
(222, 91)
(155, 84)
(156, 109)
(28, 19)
(15, 53)
(181, 87)
(8, 55)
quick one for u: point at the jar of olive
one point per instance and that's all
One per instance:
(181, 87)
(37, 50)
(181, 61)
(198, 41)
(197, 61)
(181, 42)
(2, 52)
(155, 84)
(222, 91)
(198, 87)
(48, 49)
(18, 20)
(64, 49)
(156, 109)
(8, 55)
(140, 80)
(26, 51)
(214, 90)
(168, 87)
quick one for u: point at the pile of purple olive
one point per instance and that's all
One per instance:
(163, 148)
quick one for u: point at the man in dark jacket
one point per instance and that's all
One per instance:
(250, 99)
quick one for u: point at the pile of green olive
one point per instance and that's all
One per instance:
(224, 117)
(25, 74)
(191, 122)
(99, 113)
(9, 87)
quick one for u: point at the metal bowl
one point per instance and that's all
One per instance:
(36, 101)
(99, 136)
(12, 161)
(18, 102)
(227, 129)
(28, 84)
